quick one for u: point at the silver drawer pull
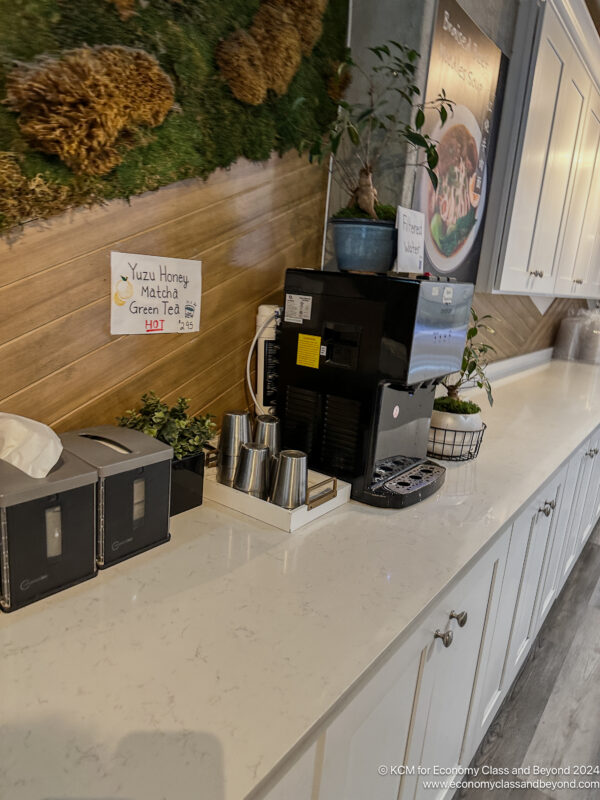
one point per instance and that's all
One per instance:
(461, 618)
(579, 281)
(545, 509)
(446, 637)
(537, 273)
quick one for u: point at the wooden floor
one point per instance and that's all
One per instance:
(551, 717)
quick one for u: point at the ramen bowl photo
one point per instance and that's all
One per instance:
(452, 212)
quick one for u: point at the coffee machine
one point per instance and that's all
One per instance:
(360, 356)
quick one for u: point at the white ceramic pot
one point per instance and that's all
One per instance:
(460, 429)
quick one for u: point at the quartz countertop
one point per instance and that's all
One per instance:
(192, 670)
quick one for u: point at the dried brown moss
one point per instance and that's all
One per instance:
(86, 103)
(23, 198)
(126, 8)
(241, 63)
(269, 54)
(307, 17)
(279, 42)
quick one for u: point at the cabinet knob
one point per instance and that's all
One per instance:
(545, 509)
(461, 618)
(446, 637)
(551, 503)
(578, 281)
(537, 273)
(590, 453)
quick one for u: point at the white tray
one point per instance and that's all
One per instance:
(332, 494)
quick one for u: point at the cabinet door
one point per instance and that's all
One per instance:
(526, 557)
(375, 728)
(581, 463)
(297, 782)
(573, 275)
(551, 584)
(452, 671)
(591, 509)
(558, 97)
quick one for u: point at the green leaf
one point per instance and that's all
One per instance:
(420, 119)
(353, 134)
(443, 114)
(377, 51)
(432, 177)
(364, 114)
(432, 157)
(414, 138)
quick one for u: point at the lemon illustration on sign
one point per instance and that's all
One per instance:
(123, 291)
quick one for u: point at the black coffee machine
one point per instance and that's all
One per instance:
(359, 359)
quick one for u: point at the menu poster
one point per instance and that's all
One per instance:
(151, 294)
(466, 65)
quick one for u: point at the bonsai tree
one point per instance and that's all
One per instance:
(472, 371)
(173, 426)
(369, 128)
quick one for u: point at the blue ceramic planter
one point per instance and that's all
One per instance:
(365, 245)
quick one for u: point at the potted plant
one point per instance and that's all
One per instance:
(456, 425)
(364, 230)
(187, 436)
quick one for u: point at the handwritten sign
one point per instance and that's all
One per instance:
(151, 294)
(411, 238)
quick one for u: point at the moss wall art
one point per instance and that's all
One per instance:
(102, 99)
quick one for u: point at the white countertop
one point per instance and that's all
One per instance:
(190, 671)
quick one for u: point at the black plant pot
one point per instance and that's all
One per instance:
(187, 481)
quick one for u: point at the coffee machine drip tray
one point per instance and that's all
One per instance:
(401, 481)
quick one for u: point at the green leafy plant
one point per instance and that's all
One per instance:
(173, 426)
(474, 364)
(369, 128)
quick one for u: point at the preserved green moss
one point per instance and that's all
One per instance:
(209, 128)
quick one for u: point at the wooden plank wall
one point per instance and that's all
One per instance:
(519, 327)
(58, 361)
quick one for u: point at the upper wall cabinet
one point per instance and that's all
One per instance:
(575, 273)
(542, 225)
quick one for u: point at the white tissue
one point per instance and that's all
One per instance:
(28, 445)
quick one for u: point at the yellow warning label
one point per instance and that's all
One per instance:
(309, 349)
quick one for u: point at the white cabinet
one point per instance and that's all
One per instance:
(559, 95)
(542, 230)
(451, 670)
(512, 621)
(374, 728)
(297, 782)
(431, 702)
(591, 502)
(551, 571)
(526, 556)
(576, 274)
(579, 474)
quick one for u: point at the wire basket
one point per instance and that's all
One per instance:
(449, 445)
